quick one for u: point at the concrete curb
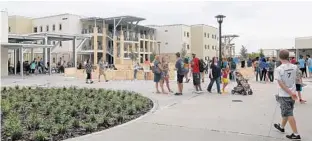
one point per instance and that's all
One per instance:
(154, 109)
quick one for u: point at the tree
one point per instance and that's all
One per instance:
(261, 53)
(243, 52)
(253, 55)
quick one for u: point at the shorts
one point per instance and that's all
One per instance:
(180, 78)
(287, 106)
(225, 80)
(196, 78)
(88, 75)
(102, 72)
(298, 87)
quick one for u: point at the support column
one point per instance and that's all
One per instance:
(95, 43)
(45, 53)
(49, 50)
(21, 62)
(122, 46)
(74, 53)
(149, 49)
(104, 43)
(115, 48)
(32, 55)
(15, 60)
(144, 51)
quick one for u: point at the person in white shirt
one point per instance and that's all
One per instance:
(286, 75)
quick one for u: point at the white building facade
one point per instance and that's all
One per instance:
(4, 39)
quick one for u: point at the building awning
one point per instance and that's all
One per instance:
(18, 45)
(110, 20)
(58, 37)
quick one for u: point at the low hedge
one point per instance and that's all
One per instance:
(41, 114)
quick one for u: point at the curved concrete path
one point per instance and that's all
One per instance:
(193, 117)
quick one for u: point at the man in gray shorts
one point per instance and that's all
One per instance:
(286, 75)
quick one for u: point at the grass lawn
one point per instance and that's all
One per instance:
(40, 114)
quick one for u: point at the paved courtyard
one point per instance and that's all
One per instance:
(193, 117)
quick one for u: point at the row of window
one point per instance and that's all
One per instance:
(187, 34)
(212, 35)
(187, 45)
(212, 47)
(52, 43)
(40, 28)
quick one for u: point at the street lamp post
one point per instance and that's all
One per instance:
(220, 20)
(158, 47)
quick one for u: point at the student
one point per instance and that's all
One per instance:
(136, 68)
(214, 75)
(187, 68)
(299, 84)
(225, 80)
(180, 73)
(286, 77)
(88, 68)
(309, 65)
(271, 67)
(102, 70)
(196, 73)
(302, 65)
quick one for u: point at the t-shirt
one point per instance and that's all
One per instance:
(179, 66)
(195, 65)
(88, 68)
(301, 62)
(310, 62)
(102, 65)
(271, 66)
(225, 74)
(286, 73)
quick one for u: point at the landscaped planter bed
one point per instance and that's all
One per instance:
(40, 114)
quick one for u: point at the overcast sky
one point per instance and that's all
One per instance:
(259, 24)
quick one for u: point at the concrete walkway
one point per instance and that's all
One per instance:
(194, 117)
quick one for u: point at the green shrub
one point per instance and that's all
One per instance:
(13, 127)
(40, 136)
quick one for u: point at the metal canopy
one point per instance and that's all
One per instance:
(110, 20)
(17, 45)
(59, 37)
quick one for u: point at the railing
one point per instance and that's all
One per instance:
(89, 31)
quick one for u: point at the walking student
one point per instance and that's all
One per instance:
(165, 73)
(202, 69)
(214, 75)
(135, 70)
(102, 70)
(157, 73)
(299, 84)
(88, 68)
(271, 65)
(225, 80)
(187, 68)
(180, 73)
(286, 75)
(302, 64)
(196, 73)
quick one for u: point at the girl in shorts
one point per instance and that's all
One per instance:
(224, 79)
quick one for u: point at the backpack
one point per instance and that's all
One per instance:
(202, 66)
(156, 70)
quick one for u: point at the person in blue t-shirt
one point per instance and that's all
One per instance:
(180, 73)
(302, 65)
(263, 68)
(309, 64)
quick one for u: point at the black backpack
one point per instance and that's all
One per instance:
(202, 66)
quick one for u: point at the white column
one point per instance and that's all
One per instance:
(21, 62)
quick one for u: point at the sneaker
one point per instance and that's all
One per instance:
(278, 127)
(178, 94)
(302, 101)
(209, 91)
(293, 137)
(106, 80)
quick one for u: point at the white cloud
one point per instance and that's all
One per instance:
(259, 24)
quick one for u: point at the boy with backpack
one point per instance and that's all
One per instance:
(202, 68)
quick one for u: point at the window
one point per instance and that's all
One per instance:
(9, 29)
(53, 60)
(166, 30)
(184, 33)
(40, 28)
(166, 43)
(188, 34)
(205, 46)
(212, 47)
(208, 47)
(60, 43)
(53, 43)
(35, 29)
(53, 27)
(188, 46)
(64, 18)
(47, 28)
(212, 36)
(205, 34)
(60, 27)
